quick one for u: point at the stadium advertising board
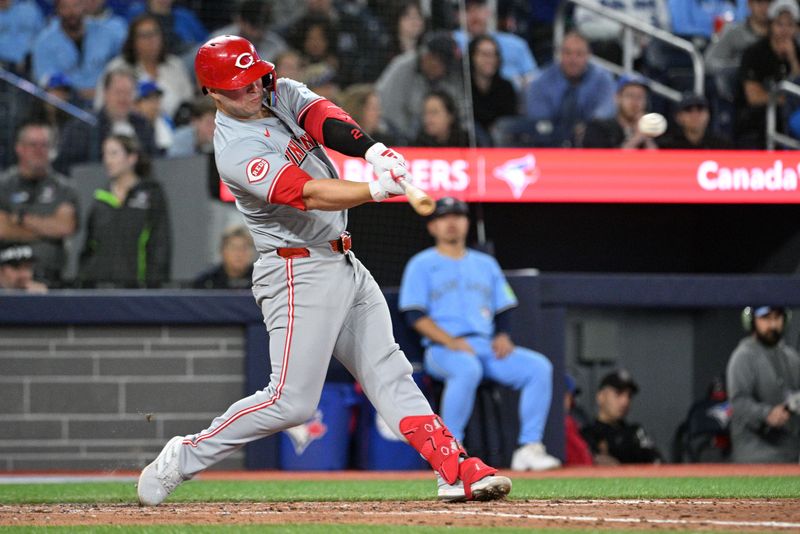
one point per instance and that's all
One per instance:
(597, 176)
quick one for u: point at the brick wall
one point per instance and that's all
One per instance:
(109, 397)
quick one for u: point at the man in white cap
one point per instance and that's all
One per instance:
(16, 269)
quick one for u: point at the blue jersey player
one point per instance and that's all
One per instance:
(459, 301)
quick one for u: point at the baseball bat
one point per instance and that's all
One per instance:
(419, 199)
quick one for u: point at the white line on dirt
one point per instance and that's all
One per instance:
(65, 479)
(601, 502)
(592, 519)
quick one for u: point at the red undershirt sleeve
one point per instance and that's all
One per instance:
(287, 187)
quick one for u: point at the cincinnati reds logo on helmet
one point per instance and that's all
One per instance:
(257, 170)
(245, 60)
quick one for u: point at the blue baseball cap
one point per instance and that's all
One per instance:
(761, 311)
(149, 88)
(57, 80)
(632, 79)
(569, 383)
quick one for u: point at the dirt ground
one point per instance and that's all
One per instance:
(762, 515)
(717, 514)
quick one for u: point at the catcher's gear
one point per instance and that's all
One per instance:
(231, 62)
(428, 435)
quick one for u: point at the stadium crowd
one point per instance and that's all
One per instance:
(407, 49)
(399, 67)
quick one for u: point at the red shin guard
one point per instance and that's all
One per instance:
(471, 470)
(428, 435)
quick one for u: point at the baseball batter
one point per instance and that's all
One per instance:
(317, 299)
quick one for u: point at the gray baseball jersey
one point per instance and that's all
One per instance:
(256, 158)
(316, 303)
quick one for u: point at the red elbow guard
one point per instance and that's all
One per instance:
(313, 116)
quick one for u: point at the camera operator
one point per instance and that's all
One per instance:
(764, 387)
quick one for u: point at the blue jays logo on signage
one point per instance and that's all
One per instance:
(304, 435)
(518, 173)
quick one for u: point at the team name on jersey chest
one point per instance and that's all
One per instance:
(298, 148)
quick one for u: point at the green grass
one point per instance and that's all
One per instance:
(358, 490)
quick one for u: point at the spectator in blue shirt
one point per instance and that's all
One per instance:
(81, 142)
(181, 27)
(46, 7)
(565, 96)
(695, 19)
(517, 63)
(197, 137)
(75, 46)
(100, 12)
(20, 23)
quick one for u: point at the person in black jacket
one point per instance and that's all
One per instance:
(492, 95)
(622, 130)
(612, 439)
(441, 126)
(692, 132)
(81, 142)
(766, 62)
(235, 271)
(128, 234)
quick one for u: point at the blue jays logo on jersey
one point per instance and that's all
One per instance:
(298, 148)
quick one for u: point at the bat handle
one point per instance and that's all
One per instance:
(419, 199)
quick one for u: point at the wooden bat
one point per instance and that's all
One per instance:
(419, 199)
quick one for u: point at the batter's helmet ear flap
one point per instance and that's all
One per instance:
(270, 83)
(747, 319)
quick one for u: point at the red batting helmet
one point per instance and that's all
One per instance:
(231, 62)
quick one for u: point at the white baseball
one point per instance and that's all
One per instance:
(653, 124)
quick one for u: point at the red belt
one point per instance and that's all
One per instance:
(341, 245)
